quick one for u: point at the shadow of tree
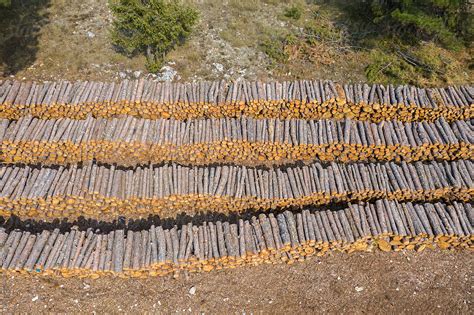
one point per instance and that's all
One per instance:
(20, 26)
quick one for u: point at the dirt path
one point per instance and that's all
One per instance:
(427, 282)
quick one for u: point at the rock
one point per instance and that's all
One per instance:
(167, 73)
(137, 74)
(359, 289)
(219, 67)
(90, 34)
(122, 75)
(192, 291)
(34, 299)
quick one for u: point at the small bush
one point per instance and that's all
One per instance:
(320, 32)
(448, 22)
(275, 49)
(151, 27)
(293, 12)
(386, 68)
(426, 64)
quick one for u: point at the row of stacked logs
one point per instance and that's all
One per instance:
(284, 237)
(297, 99)
(141, 148)
(102, 191)
(133, 141)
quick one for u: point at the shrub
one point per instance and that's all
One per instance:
(448, 22)
(427, 65)
(293, 12)
(151, 27)
(387, 68)
(275, 49)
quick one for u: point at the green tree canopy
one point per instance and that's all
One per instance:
(152, 27)
(5, 3)
(447, 21)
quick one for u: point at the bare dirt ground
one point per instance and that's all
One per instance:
(431, 282)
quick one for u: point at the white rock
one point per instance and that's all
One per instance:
(137, 74)
(359, 289)
(219, 67)
(167, 73)
(122, 75)
(35, 299)
(192, 291)
(90, 34)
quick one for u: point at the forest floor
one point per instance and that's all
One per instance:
(251, 39)
(430, 282)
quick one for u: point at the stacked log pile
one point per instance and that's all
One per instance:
(298, 168)
(132, 141)
(285, 237)
(296, 99)
(99, 191)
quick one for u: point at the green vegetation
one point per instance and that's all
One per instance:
(426, 64)
(275, 49)
(411, 41)
(310, 38)
(5, 3)
(448, 22)
(293, 12)
(376, 41)
(152, 27)
(422, 42)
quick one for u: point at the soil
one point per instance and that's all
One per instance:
(434, 282)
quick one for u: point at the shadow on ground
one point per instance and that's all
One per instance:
(20, 26)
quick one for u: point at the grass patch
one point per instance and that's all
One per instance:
(425, 64)
(294, 12)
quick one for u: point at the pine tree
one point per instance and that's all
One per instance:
(151, 27)
(447, 21)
